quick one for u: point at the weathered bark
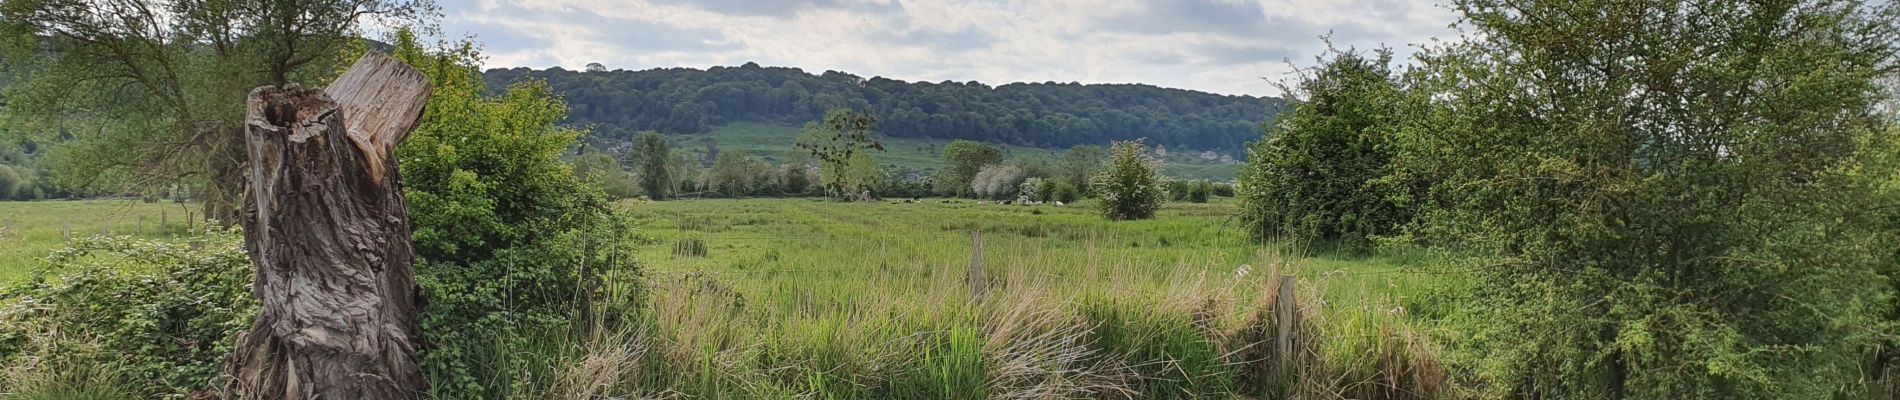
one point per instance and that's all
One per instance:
(326, 226)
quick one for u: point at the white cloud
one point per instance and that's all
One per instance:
(1221, 46)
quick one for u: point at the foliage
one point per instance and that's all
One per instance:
(735, 174)
(159, 315)
(1063, 192)
(653, 161)
(962, 159)
(1131, 186)
(602, 169)
(842, 143)
(1664, 194)
(1050, 115)
(504, 232)
(1037, 189)
(997, 181)
(1080, 163)
(1318, 176)
(145, 95)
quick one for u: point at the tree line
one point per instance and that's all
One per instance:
(620, 104)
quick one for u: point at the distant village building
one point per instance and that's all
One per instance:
(1228, 159)
(1161, 151)
(1209, 155)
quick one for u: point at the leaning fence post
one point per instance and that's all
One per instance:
(141, 230)
(1285, 319)
(977, 283)
(66, 229)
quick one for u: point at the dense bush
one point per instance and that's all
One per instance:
(997, 181)
(506, 237)
(1131, 186)
(1036, 189)
(1318, 175)
(1660, 222)
(1063, 192)
(962, 159)
(158, 317)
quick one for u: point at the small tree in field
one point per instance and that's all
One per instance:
(1318, 176)
(1131, 186)
(842, 143)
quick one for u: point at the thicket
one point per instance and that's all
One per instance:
(510, 244)
(116, 317)
(1653, 199)
(1131, 185)
(1319, 176)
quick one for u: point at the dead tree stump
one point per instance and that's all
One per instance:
(326, 226)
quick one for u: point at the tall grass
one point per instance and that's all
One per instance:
(1030, 337)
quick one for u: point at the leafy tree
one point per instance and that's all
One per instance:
(1037, 189)
(602, 169)
(961, 161)
(653, 162)
(499, 222)
(1667, 195)
(1318, 176)
(735, 174)
(1080, 163)
(1131, 185)
(151, 93)
(842, 143)
(997, 181)
(797, 179)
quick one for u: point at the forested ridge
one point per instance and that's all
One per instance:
(619, 103)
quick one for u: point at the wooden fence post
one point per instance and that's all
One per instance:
(977, 284)
(141, 230)
(1286, 320)
(66, 229)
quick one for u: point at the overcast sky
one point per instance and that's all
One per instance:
(1221, 46)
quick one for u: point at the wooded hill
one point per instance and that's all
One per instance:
(1050, 115)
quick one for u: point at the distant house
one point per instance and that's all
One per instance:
(1161, 151)
(1227, 159)
(1209, 155)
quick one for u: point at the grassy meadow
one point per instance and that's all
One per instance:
(30, 231)
(758, 298)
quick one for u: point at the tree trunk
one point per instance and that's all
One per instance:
(326, 226)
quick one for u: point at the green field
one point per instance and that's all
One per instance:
(773, 142)
(30, 231)
(782, 248)
(768, 298)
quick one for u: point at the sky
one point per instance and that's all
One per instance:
(1221, 46)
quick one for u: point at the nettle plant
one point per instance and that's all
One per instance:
(160, 314)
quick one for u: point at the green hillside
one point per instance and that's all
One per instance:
(773, 143)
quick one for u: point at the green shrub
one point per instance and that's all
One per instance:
(1315, 178)
(109, 314)
(1221, 189)
(1064, 192)
(1663, 224)
(1131, 185)
(509, 242)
